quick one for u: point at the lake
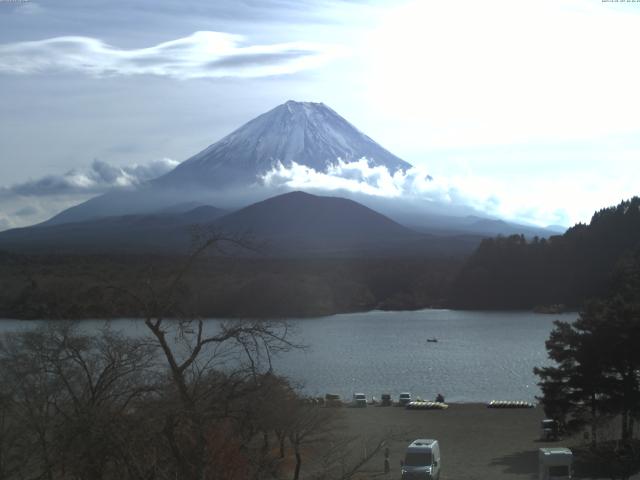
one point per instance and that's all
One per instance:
(479, 356)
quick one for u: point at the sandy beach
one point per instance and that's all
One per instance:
(476, 442)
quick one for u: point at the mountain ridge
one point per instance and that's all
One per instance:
(295, 222)
(299, 223)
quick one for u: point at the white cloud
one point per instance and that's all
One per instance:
(202, 54)
(551, 201)
(100, 177)
(27, 7)
(562, 200)
(415, 185)
(357, 176)
(37, 200)
(502, 72)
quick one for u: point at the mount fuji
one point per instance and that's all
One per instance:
(309, 134)
(228, 173)
(228, 176)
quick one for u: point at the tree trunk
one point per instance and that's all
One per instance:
(629, 389)
(296, 473)
(281, 438)
(42, 439)
(594, 422)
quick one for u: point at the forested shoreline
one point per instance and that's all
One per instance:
(73, 287)
(517, 273)
(504, 273)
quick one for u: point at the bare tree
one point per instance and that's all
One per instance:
(334, 455)
(310, 424)
(192, 399)
(211, 365)
(10, 437)
(70, 394)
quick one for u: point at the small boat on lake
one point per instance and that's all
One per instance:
(432, 340)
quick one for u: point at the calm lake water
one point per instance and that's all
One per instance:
(479, 356)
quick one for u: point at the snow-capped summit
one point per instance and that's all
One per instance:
(306, 133)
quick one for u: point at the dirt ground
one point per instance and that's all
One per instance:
(476, 442)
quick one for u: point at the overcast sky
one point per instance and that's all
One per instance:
(528, 108)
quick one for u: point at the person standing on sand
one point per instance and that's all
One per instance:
(387, 466)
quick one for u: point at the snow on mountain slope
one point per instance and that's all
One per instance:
(310, 134)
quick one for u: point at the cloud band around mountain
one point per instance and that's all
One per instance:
(102, 176)
(203, 54)
(356, 176)
(416, 188)
(36, 200)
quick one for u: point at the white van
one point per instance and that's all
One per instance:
(421, 460)
(404, 399)
(555, 463)
(359, 400)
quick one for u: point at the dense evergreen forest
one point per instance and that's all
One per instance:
(516, 273)
(83, 286)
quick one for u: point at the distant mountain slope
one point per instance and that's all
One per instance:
(292, 224)
(473, 224)
(157, 232)
(139, 201)
(301, 214)
(510, 272)
(300, 224)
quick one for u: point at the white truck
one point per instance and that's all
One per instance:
(555, 463)
(421, 460)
